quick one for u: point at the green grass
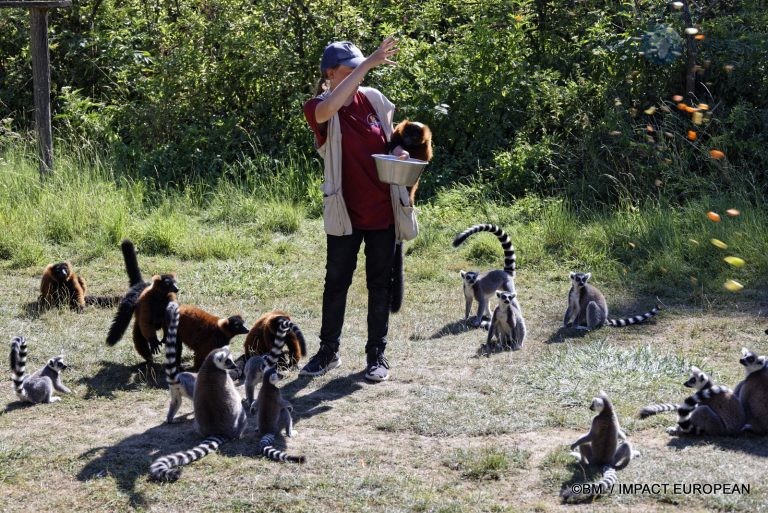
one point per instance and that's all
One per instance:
(488, 462)
(450, 431)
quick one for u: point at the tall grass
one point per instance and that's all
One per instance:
(85, 209)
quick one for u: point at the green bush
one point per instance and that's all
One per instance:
(523, 97)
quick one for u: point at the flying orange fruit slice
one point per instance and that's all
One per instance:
(732, 212)
(716, 154)
(713, 216)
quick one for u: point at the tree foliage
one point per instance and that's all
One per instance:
(523, 95)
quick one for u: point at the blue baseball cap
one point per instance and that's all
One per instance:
(341, 53)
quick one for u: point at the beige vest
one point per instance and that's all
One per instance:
(335, 215)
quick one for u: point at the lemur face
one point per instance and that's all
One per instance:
(237, 325)
(61, 270)
(57, 363)
(469, 277)
(751, 361)
(413, 134)
(580, 279)
(697, 380)
(505, 297)
(597, 404)
(223, 359)
(168, 283)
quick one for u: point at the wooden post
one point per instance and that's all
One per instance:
(41, 79)
(41, 73)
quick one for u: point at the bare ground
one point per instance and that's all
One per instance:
(403, 445)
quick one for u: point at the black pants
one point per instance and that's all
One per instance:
(340, 265)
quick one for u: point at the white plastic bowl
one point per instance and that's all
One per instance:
(398, 171)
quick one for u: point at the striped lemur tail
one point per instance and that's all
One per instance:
(19, 364)
(127, 303)
(691, 402)
(397, 286)
(283, 325)
(603, 486)
(506, 243)
(180, 384)
(267, 449)
(171, 356)
(653, 409)
(636, 319)
(168, 468)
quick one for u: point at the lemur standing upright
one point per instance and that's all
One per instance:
(481, 287)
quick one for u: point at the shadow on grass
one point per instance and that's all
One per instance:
(563, 334)
(16, 405)
(748, 443)
(452, 328)
(580, 473)
(114, 376)
(309, 405)
(128, 461)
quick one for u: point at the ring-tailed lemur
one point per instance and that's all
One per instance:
(605, 445)
(507, 323)
(255, 366)
(697, 380)
(753, 391)
(37, 387)
(253, 371)
(273, 413)
(587, 308)
(481, 286)
(180, 384)
(219, 415)
(712, 410)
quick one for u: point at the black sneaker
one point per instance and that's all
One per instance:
(321, 363)
(377, 369)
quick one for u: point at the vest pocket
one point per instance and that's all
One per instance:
(335, 216)
(405, 219)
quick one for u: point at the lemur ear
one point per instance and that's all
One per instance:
(744, 351)
(462, 273)
(498, 293)
(588, 276)
(571, 275)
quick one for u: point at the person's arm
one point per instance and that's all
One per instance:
(400, 153)
(347, 87)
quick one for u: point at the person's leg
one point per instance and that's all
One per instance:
(341, 261)
(379, 255)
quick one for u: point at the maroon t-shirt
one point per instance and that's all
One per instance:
(367, 198)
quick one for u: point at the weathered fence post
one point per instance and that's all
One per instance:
(41, 72)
